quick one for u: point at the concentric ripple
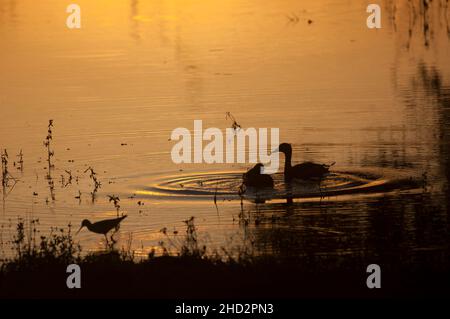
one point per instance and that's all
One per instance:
(225, 185)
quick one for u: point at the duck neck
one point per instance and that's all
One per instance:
(287, 161)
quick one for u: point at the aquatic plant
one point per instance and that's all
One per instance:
(78, 197)
(5, 172)
(188, 246)
(6, 175)
(191, 246)
(47, 144)
(97, 184)
(115, 199)
(30, 250)
(50, 154)
(20, 161)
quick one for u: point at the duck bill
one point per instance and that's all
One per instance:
(277, 150)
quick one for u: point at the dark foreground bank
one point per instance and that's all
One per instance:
(40, 270)
(108, 275)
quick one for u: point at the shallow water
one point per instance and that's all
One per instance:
(376, 102)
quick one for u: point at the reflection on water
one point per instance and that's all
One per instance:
(376, 102)
(393, 230)
(227, 186)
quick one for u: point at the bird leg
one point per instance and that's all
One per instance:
(107, 242)
(113, 241)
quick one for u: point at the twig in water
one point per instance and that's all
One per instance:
(235, 126)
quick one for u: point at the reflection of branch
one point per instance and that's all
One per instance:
(6, 175)
(69, 179)
(11, 187)
(241, 192)
(215, 198)
(423, 17)
(446, 19)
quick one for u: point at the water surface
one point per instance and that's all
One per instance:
(376, 102)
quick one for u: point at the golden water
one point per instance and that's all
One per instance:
(374, 100)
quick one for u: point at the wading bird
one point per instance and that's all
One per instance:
(304, 171)
(103, 226)
(254, 178)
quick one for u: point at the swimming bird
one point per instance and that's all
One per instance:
(304, 171)
(254, 178)
(103, 226)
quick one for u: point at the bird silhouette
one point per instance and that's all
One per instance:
(304, 171)
(254, 178)
(103, 226)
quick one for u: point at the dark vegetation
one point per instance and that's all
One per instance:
(186, 271)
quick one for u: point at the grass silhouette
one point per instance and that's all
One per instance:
(38, 270)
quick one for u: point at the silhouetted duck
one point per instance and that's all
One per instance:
(254, 178)
(304, 171)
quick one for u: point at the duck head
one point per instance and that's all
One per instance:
(285, 148)
(258, 168)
